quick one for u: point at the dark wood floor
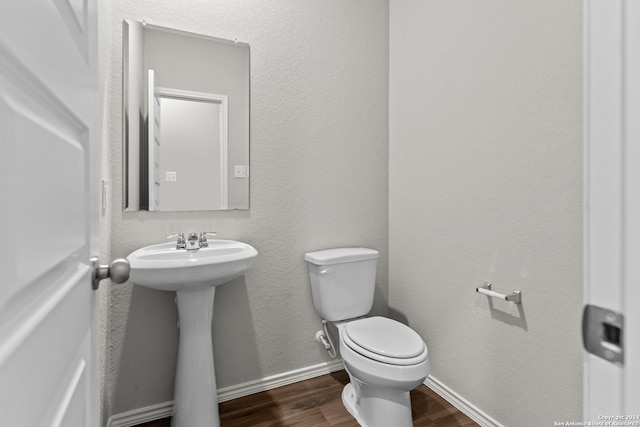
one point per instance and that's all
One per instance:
(317, 402)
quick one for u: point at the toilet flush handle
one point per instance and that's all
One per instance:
(326, 270)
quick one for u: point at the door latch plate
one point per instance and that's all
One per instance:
(602, 333)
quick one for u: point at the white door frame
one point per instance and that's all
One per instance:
(612, 197)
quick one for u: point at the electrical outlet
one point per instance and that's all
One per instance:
(239, 171)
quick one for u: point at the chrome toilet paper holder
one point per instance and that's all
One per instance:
(515, 297)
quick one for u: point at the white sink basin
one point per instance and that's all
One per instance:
(166, 268)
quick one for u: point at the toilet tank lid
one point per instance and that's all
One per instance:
(341, 255)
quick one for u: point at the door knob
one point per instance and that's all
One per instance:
(117, 271)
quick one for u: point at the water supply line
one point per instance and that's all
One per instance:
(326, 340)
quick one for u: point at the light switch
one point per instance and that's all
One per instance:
(171, 176)
(239, 171)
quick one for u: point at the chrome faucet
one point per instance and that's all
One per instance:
(193, 242)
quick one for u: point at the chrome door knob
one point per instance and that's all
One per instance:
(118, 271)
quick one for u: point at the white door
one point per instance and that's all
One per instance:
(47, 228)
(612, 209)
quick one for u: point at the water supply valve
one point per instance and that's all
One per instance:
(322, 339)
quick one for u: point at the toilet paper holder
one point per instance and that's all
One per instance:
(515, 297)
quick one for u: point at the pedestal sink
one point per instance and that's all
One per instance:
(194, 275)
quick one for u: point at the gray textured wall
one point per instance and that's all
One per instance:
(319, 176)
(485, 183)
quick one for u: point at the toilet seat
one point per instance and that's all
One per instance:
(385, 340)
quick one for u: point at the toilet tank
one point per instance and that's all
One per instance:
(343, 281)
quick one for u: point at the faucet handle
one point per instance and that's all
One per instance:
(203, 238)
(180, 236)
(181, 243)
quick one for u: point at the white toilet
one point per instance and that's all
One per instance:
(385, 359)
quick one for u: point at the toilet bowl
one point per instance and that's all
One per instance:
(384, 359)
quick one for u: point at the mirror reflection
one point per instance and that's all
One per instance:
(186, 121)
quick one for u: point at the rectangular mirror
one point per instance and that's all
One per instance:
(186, 121)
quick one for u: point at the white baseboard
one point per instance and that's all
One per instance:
(164, 410)
(461, 403)
(275, 381)
(142, 415)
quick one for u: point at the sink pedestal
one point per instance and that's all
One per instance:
(193, 275)
(195, 394)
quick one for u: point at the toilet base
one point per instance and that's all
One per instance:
(349, 401)
(375, 407)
